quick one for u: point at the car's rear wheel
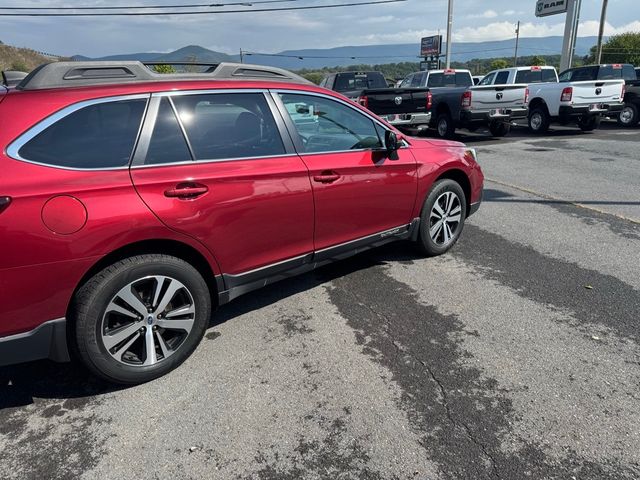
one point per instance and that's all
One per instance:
(629, 116)
(444, 126)
(589, 122)
(442, 218)
(140, 318)
(539, 121)
(499, 129)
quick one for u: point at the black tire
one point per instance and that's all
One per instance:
(539, 121)
(499, 129)
(91, 318)
(629, 116)
(426, 243)
(444, 126)
(589, 123)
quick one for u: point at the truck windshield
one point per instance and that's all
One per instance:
(458, 79)
(536, 76)
(359, 81)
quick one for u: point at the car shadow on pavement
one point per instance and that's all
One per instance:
(21, 384)
(492, 195)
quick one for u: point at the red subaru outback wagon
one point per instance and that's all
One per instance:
(132, 202)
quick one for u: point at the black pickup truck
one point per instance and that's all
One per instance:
(407, 109)
(629, 116)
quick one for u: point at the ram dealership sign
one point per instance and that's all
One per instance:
(551, 7)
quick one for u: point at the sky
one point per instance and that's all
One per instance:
(406, 22)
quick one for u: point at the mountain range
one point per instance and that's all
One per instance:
(365, 54)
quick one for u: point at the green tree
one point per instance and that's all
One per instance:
(538, 61)
(623, 48)
(164, 69)
(498, 64)
(315, 77)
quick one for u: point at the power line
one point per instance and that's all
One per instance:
(195, 12)
(150, 7)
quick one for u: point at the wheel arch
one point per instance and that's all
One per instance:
(163, 246)
(538, 102)
(461, 179)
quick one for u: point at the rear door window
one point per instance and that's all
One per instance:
(488, 79)
(97, 136)
(502, 77)
(228, 125)
(167, 144)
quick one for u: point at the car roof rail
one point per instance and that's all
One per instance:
(90, 73)
(11, 78)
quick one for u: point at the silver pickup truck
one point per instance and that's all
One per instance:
(570, 100)
(456, 103)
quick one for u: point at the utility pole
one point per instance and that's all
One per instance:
(603, 18)
(241, 56)
(515, 56)
(570, 33)
(449, 28)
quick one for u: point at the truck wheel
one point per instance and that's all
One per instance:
(140, 318)
(442, 217)
(539, 121)
(629, 116)
(499, 129)
(587, 123)
(444, 126)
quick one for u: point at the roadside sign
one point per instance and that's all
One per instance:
(545, 8)
(431, 46)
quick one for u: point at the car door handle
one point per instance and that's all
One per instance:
(326, 177)
(186, 191)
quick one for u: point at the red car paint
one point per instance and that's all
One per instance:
(59, 223)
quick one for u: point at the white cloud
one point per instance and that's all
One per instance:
(505, 30)
(485, 14)
(383, 19)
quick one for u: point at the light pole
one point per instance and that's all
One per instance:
(603, 18)
(449, 28)
(515, 56)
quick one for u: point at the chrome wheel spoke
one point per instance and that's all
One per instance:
(434, 231)
(446, 233)
(172, 289)
(185, 325)
(163, 346)
(455, 218)
(127, 296)
(118, 309)
(120, 335)
(437, 211)
(178, 312)
(150, 348)
(123, 349)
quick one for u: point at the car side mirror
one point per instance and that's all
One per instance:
(391, 141)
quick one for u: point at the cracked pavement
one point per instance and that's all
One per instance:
(514, 356)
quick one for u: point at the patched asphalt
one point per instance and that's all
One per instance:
(514, 356)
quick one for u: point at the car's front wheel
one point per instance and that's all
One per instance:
(140, 318)
(442, 218)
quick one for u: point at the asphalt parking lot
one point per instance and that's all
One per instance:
(516, 355)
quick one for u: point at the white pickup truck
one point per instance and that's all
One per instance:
(456, 103)
(550, 101)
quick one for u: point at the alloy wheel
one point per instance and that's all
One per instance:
(445, 218)
(443, 126)
(148, 320)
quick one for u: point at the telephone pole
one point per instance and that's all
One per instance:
(515, 56)
(603, 18)
(241, 56)
(449, 28)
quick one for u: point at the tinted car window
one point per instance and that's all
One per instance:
(543, 75)
(582, 74)
(328, 126)
(407, 81)
(417, 79)
(502, 78)
(359, 81)
(628, 73)
(96, 136)
(167, 144)
(458, 79)
(228, 125)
